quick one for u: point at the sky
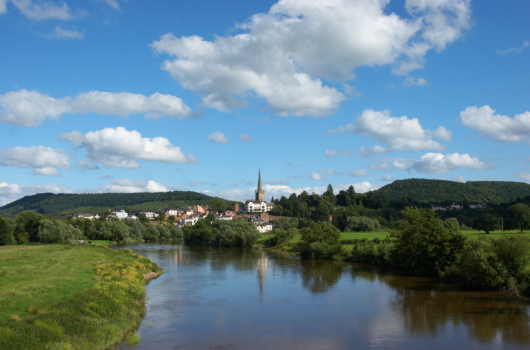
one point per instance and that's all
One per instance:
(147, 96)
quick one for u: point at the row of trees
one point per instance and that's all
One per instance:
(29, 227)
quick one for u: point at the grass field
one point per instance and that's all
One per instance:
(58, 296)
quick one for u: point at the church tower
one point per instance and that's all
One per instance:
(260, 195)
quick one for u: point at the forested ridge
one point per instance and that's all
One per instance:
(438, 191)
(55, 204)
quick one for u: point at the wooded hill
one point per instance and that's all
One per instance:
(56, 204)
(438, 191)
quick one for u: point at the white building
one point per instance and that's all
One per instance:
(258, 205)
(119, 213)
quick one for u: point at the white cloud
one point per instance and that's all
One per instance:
(397, 164)
(218, 137)
(327, 172)
(62, 33)
(44, 10)
(514, 49)
(437, 163)
(43, 160)
(12, 192)
(3, 7)
(128, 186)
(278, 182)
(443, 134)
(357, 173)
(413, 81)
(30, 108)
(112, 3)
(367, 152)
(198, 183)
(331, 153)
(86, 165)
(460, 179)
(387, 177)
(283, 55)
(400, 134)
(317, 177)
(245, 137)
(495, 126)
(122, 148)
(524, 176)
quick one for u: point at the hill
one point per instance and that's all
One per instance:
(55, 204)
(438, 191)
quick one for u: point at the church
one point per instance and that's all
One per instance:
(258, 205)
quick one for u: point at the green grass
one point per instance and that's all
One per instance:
(84, 297)
(473, 234)
(344, 235)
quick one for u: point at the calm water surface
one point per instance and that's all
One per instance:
(231, 298)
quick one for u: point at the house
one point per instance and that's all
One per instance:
(118, 213)
(264, 228)
(87, 216)
(151, 215)
(258, 205)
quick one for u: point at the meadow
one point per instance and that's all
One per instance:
(62, 296)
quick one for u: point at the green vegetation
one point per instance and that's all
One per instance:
(319, 241)
(56, 204)
(438, 191)
(63, 297)
(233, 233)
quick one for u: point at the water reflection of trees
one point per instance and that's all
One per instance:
(427, 306)
(320, 275)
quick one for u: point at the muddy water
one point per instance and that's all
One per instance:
(228, 298)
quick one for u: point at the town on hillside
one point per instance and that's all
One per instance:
(255, 210)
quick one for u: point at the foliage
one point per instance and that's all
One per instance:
(319, 241)
(519, 217)
(437, 191)
(487, 222)
(6, 236)
(423, 245)
(55, 231)
(493, 263)
(233, 233)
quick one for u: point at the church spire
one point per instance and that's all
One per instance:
(260, 195)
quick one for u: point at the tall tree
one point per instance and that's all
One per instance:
(330, 195)
(519, 217)
(6, 235)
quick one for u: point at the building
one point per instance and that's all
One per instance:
(258, 205)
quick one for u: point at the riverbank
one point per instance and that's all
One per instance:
(62, 297)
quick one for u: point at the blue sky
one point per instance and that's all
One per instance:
(128, 96)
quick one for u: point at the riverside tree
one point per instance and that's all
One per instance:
(519, 217)
(319, 241)
(423, 244)
(487, 222)
(6, 236)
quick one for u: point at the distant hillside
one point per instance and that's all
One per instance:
(55, 204)
(437, 191)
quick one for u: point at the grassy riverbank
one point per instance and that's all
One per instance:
(62, 297)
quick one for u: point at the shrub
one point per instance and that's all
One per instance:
(319, 241)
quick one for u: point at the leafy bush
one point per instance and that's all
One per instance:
(319, 241)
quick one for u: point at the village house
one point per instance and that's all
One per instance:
(118, 213)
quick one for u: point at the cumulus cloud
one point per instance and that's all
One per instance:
(398, 133)
(524, 176)
(218, 137)
(387, 177)
(112, 3)
(283, 55)
(397, 164)
(43, 160)
(317, 177)
(86, 165)
(245, 137)
(44, 10)
(437, 163)
(413, 81)
(460, 179)
(128, 186)
(13, 192)
(332, 153)
(120, 148)
(357, 173)
(514, 49)
(327, 171)
(3, 7)
(495, 126)
(62, 33)
(443, 134)
(30, 108)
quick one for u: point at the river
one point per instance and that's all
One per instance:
(234, 298)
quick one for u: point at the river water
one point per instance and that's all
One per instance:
(233, 298)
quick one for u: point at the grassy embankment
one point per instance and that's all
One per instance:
(63, 297)
(470, 234)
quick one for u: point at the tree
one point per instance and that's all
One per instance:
(161, 216)
(423, 244)
(519, 217)
(351, 194)
(6, 235)
(330, 195)
(319, 241)
(486, 222)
